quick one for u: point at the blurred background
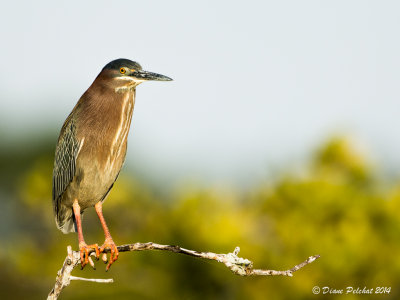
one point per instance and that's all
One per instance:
(277, 135)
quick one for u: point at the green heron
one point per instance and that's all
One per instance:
(91, 150)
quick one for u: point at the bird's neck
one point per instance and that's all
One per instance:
(103, 110)
(126, 89)
(124, 122)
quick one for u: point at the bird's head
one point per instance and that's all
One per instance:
(124, 74)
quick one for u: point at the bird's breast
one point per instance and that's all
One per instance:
(103, 150)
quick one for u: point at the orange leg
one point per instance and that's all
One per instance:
(83, 247)
(108, 243)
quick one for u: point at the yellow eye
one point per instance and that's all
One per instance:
(122, 70)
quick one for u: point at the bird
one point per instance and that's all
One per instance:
(91, 150)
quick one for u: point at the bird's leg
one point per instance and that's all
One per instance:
(108, 243)
(84, 248)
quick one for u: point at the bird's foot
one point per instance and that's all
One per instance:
(85, 251)
(109, 245)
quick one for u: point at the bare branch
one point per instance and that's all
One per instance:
(239, 266)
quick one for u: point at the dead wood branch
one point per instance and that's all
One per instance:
(239, 266)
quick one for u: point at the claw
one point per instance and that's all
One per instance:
(109, 244)
(84, 250)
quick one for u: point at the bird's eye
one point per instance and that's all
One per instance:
(122, 70)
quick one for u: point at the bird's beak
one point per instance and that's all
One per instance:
(144, 75)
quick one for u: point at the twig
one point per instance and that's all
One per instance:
(239, 266)
(92, 279)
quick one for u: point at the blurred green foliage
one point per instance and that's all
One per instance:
(338, 208)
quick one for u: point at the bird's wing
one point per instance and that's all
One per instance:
(65, 159)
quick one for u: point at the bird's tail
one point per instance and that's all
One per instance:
(65, 219)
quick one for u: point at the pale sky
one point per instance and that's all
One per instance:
(257, 84)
